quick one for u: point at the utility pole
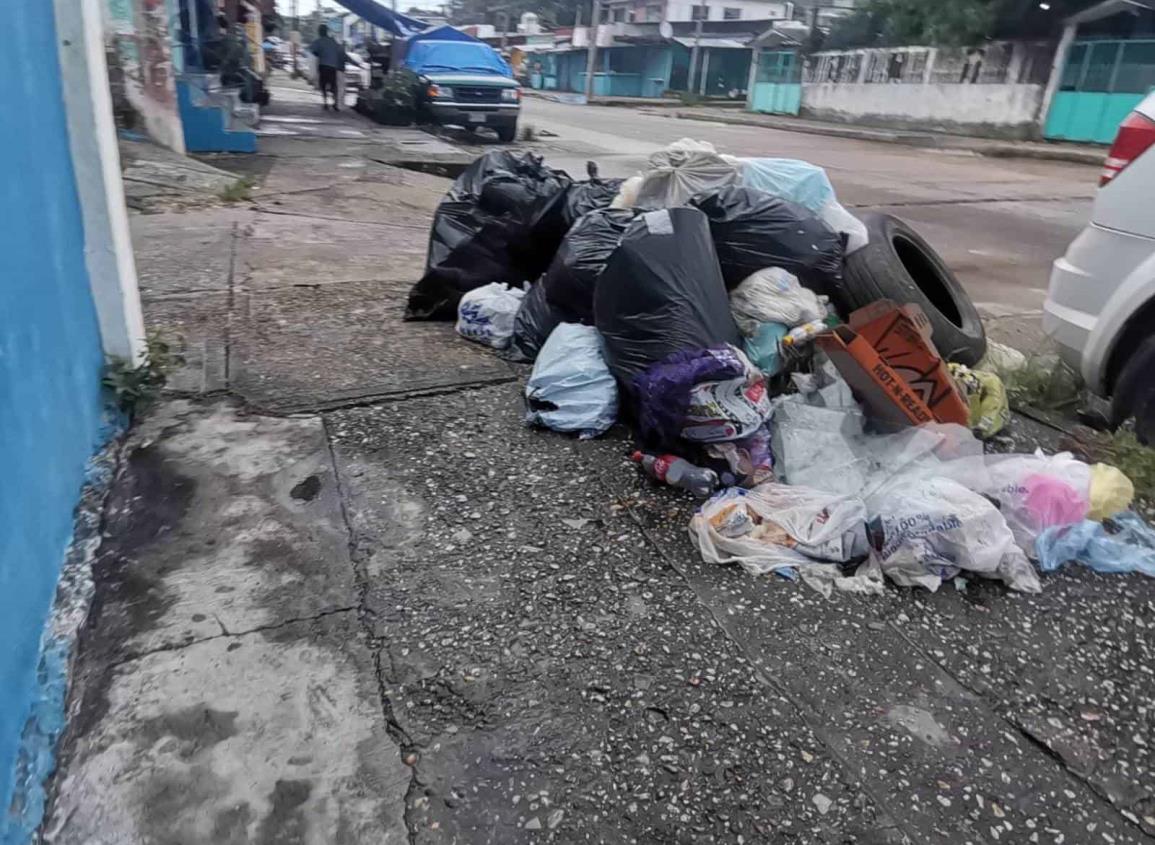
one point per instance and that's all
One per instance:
(295, 38)
(592, 54)
(504, 26)
(694, 53)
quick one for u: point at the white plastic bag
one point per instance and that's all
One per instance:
(680, 171)
(929, 530)
(571, 388)
(840, 220)
(773, 296)
(1037, 491)
(773, 526)
(486, 314)
(627, 196)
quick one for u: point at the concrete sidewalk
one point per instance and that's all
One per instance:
(345, 595)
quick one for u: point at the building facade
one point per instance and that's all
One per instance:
(69, 301)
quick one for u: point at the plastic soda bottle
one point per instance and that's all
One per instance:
(678, 472)
(805, 332)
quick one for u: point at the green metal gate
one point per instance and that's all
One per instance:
(1102, 82)
(778, 83)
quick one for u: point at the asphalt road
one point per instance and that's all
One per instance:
(999, 223)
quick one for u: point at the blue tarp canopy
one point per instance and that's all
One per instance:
(472, 56)
(443, 33)
(400, 25)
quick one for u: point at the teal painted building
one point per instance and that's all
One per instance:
(1108, 68)
(650, 67)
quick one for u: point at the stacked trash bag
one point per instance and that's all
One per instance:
(772, 354)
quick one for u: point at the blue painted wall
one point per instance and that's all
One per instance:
(50, 360)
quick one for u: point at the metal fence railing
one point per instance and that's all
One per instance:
(998, 62)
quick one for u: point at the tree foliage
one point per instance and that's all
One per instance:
(947, 23)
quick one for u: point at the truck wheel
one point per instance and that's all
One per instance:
(505, 134)
(1134, 394)
(898, 264)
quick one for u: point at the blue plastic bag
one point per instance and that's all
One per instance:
(789, 178)
(1122, 544)
(571, 388)
(763, 348)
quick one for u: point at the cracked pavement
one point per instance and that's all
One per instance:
(344, 595)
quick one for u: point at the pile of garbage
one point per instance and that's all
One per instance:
(774, 355)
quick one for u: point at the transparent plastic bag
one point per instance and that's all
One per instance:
(773, 295)
(774, 526)
(926, 532)
(1038, 491)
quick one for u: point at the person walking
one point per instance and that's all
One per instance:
(330, 61)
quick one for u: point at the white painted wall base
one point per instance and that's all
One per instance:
(96, 163)
(1008, 110)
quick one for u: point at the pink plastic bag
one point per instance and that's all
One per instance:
(1052, 501)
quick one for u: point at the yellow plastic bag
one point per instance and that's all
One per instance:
(990, 412)
(1111, 491)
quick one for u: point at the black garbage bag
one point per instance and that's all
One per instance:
(536, 319)
(583, 197)
(660, 292)
(501, 221)
(753, 230)
(569, 282)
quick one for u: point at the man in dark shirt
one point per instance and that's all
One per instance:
(330, 61)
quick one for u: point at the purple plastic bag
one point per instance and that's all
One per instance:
(662, 390)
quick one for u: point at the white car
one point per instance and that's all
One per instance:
(1101, 304)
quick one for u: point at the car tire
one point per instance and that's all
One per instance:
(506, 134)
(1134, 394)
(898, 264)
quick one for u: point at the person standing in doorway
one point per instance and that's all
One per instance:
(330, 61)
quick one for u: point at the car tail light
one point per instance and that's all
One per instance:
(1136, 134)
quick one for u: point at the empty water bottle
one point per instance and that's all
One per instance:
(678, 472)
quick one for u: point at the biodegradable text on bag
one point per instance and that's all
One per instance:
(487, 314)
(926, 531)
(571, 388)
(775, 525)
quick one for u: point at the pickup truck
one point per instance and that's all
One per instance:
(465, 83)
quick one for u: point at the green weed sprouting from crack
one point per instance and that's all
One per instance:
(136, 386)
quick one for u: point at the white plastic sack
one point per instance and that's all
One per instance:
(773, 296)
(680, 171)
(1037, 491)
(928, 531)
(627, 196)
(840, 220)
(571, 388)
(774, 526)
(486, 314)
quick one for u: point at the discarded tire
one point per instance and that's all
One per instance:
(898, 264)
